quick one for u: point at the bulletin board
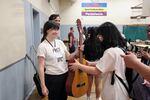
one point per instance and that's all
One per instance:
(135, 32)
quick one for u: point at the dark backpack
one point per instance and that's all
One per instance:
(129, 77)
(36, 78)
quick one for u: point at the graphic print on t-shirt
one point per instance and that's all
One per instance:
(58, 54)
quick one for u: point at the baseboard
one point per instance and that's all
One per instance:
(33, 88)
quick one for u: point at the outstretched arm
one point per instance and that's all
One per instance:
(88, 69)
(70, 56)
(132, 62)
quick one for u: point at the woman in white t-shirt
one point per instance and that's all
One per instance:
(52, 55)
(111, 60)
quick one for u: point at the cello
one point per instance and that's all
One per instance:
(77, 81)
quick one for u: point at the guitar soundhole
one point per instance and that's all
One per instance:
(80, 71)
(80, 85)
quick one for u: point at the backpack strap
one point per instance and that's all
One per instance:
(113, 78)
(134, 79)
(120, 79)
(129, 69)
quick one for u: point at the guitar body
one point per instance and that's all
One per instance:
(77, 83)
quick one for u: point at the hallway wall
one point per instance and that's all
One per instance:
(45, 7)
(12, 82)
(12, 39)
(21, 30)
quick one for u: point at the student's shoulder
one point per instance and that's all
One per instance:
(112, 50)
(69, 33)
(115, 51)
(59, 41)
(42, 44)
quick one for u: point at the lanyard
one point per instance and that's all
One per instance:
(51, 44)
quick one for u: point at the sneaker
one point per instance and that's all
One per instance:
(99, 98)
(88, 98)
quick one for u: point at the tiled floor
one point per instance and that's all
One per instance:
(35, 96)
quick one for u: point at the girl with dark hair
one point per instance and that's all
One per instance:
(111, 61)
(56, 19)
(111, 36)
(93, 52)
(52, 55)
(49, 25)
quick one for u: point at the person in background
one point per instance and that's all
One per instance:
(133, 62)
(146, 56)
(55, 17)
(93, 52)
(71, 40)
(110, 62)
(148, 32)
(85, 32)
(52, 55)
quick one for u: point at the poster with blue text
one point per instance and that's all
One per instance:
(94, 9)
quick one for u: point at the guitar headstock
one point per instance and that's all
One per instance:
(79, 25)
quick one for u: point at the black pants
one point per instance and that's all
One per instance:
(56, 86)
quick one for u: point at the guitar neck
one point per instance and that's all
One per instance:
(80, 52)
(79, 26)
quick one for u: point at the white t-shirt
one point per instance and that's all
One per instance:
(111, 61)
(54, 54)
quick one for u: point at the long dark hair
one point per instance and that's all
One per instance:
(49, 25)
(92, 36)
(92, 47)
(111, 36)
(53, 16)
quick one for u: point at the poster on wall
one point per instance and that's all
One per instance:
(94, 9)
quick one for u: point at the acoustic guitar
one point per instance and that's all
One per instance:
(77, 81)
